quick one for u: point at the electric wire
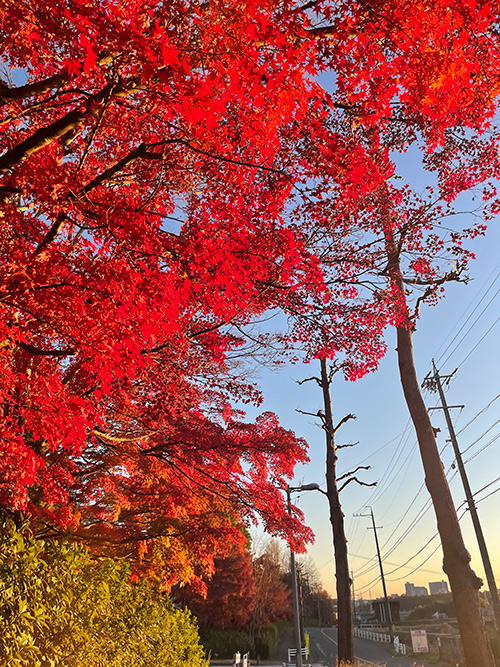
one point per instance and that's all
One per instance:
(388, 473)
(374, 453)
(443, 363)
(484, 295)
(427, 559)
(480, 341)
(422, 487)
(419, 567)
(427, 506)
(483, 410)
(480, 437)
(490, 442)
(487, 496)
(397, 454)
(487, 486)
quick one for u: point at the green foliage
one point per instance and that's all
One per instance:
(58, 607)
(224, 643)
(266, 640)
(426, 611)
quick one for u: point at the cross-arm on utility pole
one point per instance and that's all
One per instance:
(433, 383)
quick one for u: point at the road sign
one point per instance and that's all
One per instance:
(419, 641)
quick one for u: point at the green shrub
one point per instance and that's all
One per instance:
(266, 641)
(59, 607)
(223, 644)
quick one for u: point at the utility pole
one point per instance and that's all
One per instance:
(432, 383)
(353, 600)
(387, 605)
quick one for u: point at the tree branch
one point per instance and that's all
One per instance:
(38, 87)
(358, 481)
(348, 444)
(310, 414)
(299, 382)
(352, 472)
(343, 421)
(46, 135)
(46, 353)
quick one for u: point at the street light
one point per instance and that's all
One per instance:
(296, 615)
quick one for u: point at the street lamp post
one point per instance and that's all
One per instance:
(295, 593)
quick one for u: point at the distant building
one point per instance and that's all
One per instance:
(436, 587)
(413, 590)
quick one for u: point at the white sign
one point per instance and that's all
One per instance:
(419, 641)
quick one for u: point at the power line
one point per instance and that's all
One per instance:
(490, 442)
(489, 494)
(484, 294)
(399, 449)
(479, 341)
(486, 407)
(416, 554)
(485, 487)
(393, 564)
(412, 503)
(480, 437)
(418, 566)
(423, 511)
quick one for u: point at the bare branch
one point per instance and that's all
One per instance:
(311, 414)
(300, 382)
(352, 472)
(358, 481)
(347, 444)
(343, 421)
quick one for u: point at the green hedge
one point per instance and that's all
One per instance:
(266, 641)
(223, 644)
(58, 607)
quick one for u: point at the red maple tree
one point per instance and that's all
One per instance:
(230, 595)
(142, 219)
(149, 157)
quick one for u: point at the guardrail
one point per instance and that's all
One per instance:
(399, 647)
(373, 636)
(292, 652)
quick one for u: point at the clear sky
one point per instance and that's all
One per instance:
(462, 332)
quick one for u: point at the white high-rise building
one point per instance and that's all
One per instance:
(413, 590)
(436, 587)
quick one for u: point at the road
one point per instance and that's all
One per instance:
(323, 648)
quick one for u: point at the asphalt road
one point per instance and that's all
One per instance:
(323, 648)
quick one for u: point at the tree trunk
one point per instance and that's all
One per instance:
(456, 559)
(343, 579)
(464, 582)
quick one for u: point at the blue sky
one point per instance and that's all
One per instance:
(461, 331)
